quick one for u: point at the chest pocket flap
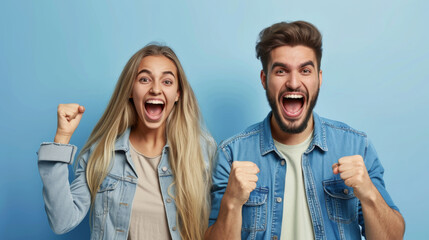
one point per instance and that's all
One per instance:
(255, 211)
(108, 184)
(338, 189)
(341, 203)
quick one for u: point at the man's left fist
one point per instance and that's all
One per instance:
(353, 171)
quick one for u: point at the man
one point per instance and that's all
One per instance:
(297, 175)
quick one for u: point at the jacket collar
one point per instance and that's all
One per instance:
(267, 142)
(123, 141)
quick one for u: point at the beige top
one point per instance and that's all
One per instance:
(148, 217)
(296, 222)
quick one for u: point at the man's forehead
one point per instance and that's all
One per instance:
(294, 55)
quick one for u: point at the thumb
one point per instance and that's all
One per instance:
(81, 109)
(335, 168)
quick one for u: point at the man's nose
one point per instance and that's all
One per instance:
(293, 81)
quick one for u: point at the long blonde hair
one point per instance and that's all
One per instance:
(184, 135)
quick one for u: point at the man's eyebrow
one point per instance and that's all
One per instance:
(278, 64)
(306, 64)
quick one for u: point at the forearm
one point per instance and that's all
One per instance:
(381, 221)
(66, 205)
(228, 223)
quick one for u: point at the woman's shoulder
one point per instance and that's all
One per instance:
(208, 146)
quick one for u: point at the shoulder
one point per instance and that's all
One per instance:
(250, 134)
(340, 127)
(208, 146)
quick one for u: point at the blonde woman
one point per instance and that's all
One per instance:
(144, 171)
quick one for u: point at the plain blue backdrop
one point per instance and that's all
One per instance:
(375, 78)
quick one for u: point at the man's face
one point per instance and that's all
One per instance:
(292, 85)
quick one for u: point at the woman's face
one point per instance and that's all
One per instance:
(155, 90)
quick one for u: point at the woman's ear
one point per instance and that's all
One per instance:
(177, 96)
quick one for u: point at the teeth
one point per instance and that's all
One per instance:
(154, 101)
(293, 96)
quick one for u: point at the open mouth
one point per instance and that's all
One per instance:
(154, 108)
(293, 104)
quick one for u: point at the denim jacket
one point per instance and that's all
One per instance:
(67, 204)
(335, 211)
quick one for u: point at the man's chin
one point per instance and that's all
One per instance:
(291, 126)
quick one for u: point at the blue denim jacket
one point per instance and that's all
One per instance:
(67, 204)
(335, 211)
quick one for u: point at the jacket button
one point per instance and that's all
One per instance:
(174, 228)
(279, 199)
(275, 237)
(169, 200)
(164, 169)
(283, 162)
(346, 191)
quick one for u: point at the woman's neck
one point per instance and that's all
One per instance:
(149, 142)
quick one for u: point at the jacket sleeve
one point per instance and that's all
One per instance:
(375, 172)
(65, 204)
(220, 177)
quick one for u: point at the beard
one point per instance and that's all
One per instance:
(291, 127)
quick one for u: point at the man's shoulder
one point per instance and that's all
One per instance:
(250, 134)
(335, 126)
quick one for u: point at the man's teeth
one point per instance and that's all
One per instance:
(153, 101)
(293, 96)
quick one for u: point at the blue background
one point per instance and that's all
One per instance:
(375, 78)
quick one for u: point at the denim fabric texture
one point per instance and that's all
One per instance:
(67, 204)
(335, 211)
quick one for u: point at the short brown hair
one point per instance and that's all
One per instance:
(290, 34)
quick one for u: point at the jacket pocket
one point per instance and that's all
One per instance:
(341, 203)
(104, 197)
(255, 211)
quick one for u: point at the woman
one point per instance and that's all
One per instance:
(145, 168)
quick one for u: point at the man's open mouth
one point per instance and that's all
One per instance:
(154, 108)
(293, 104)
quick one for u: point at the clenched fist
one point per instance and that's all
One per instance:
(242, 180)
(69, 116)
(354, 173)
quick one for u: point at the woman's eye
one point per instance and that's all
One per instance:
(168, 82)
(144, 80)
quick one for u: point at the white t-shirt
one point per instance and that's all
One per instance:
(296, 222)
(148, 217)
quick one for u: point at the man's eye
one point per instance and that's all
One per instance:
(306, 71)
(281, 71)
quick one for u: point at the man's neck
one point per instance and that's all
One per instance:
(291, 138)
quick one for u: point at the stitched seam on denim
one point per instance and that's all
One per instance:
(238, 137)
(259, 213)
(344, 128)
(227, 156)
(316, 199)
(366, 149)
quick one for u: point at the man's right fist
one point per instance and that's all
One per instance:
(69, 116)
(242, 180)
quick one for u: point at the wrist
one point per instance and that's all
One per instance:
(371, 196)
(230, 204)
(61, 138)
